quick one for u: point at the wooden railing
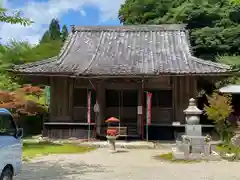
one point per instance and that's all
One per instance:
(121, 131)
(62, 130)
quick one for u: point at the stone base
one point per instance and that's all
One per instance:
(112, 144)
(178, 155)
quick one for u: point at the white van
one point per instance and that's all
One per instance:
(10, 146)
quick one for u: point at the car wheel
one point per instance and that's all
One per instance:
(7, 174)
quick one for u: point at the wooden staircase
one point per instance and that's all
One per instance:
(131, 125)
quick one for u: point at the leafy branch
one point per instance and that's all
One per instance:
(14, 18)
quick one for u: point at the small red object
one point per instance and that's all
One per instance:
(111, 132)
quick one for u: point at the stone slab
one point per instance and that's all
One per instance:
(183, 148)
(195, 156)
(193, 130)
(197, 140)
(198, 149)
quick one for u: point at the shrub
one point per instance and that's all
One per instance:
(219, 109)
(26, 100)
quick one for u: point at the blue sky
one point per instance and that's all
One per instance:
(69, 12)
(90, 16)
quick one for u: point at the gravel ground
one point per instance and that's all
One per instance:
(134, 164)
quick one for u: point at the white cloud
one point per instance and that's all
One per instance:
(82, 12)
(42, 12)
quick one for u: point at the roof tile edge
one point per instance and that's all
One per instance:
(210, 63)
(162, 27)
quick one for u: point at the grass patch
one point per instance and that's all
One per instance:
(229, 152)
(35, 149)
(227, 149)
(169, 157)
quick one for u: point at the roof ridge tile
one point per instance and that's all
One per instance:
(161, 27)
(210, 63)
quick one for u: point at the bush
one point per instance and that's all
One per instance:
(228, 152)
(32, 125)
(27, 100)
(219, 109)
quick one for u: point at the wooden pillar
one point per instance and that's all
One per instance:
(139, 116)
(70, 97)
(174, 92)
(51, 105)
(101, 102)
(177, 98)
(143, 109)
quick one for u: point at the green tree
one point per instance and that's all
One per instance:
(44, 51)
(45, 37)
(13, 53)
(7, 52)
(214, 25)
(219, 109)
(64, 33)
(23, 52)
(54, 30)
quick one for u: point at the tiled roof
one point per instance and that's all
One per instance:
(125, 50)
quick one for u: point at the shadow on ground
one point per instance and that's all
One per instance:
(58, 171)
(121, 151)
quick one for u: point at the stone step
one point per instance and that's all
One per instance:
(132, 132)
(122, 144)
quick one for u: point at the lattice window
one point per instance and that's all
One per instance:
(124, 98)
(160, 98)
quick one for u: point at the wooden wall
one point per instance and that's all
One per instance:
(62, 109)
(61, 106)
(80, 111)
(61, 99)
(184, 88)
(160, 115)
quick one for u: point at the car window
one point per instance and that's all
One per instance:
(7, 126)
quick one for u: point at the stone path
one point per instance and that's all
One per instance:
(133, 164)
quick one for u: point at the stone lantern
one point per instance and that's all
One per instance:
(193, 145)
(192, 113)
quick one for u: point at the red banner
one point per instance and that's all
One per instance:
(89, 108)
(149, 108)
